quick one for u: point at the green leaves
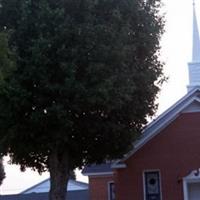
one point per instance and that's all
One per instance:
(6, 58)
(84, 79)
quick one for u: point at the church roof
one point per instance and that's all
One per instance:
(189, 103)
(98, 169)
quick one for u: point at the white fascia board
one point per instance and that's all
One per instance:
(98, 174)
(166, 122)
(171, 108)
(118, 165)
(79, 184)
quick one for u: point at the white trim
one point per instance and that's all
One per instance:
(98, 173)
(161, 126)
(118, 166)
(108, 186)
(193, 177)
(144, 183)
(171, 108)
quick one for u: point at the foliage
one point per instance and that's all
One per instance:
(6, 68)
(86, 78)
(72, 175)
(2, 172)
(6, 58)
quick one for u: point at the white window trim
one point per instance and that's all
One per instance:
(108, 186)
(144, 184)
(190, 178)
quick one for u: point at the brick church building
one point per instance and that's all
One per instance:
(164, 163)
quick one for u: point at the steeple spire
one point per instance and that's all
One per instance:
(194, 65)
(196, 40)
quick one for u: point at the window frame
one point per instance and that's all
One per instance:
(109, 190)
(145, 184)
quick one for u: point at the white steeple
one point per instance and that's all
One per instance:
(194, 65)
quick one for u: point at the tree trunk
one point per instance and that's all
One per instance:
(59, 175)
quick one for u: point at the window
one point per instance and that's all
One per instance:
(111, 191)
(152, 185)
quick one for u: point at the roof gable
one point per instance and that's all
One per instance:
(189, 103)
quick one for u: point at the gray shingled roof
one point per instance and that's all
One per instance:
(44, 186)
(71, 195)
(95, 168)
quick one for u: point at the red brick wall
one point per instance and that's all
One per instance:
(98, 187)
(175, 152)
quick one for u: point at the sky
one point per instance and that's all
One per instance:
(176, 49)
(176, 53)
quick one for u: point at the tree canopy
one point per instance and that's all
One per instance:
(86, 78)
(7, 63)
(6, 68)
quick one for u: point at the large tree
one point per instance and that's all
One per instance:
(86, 78)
